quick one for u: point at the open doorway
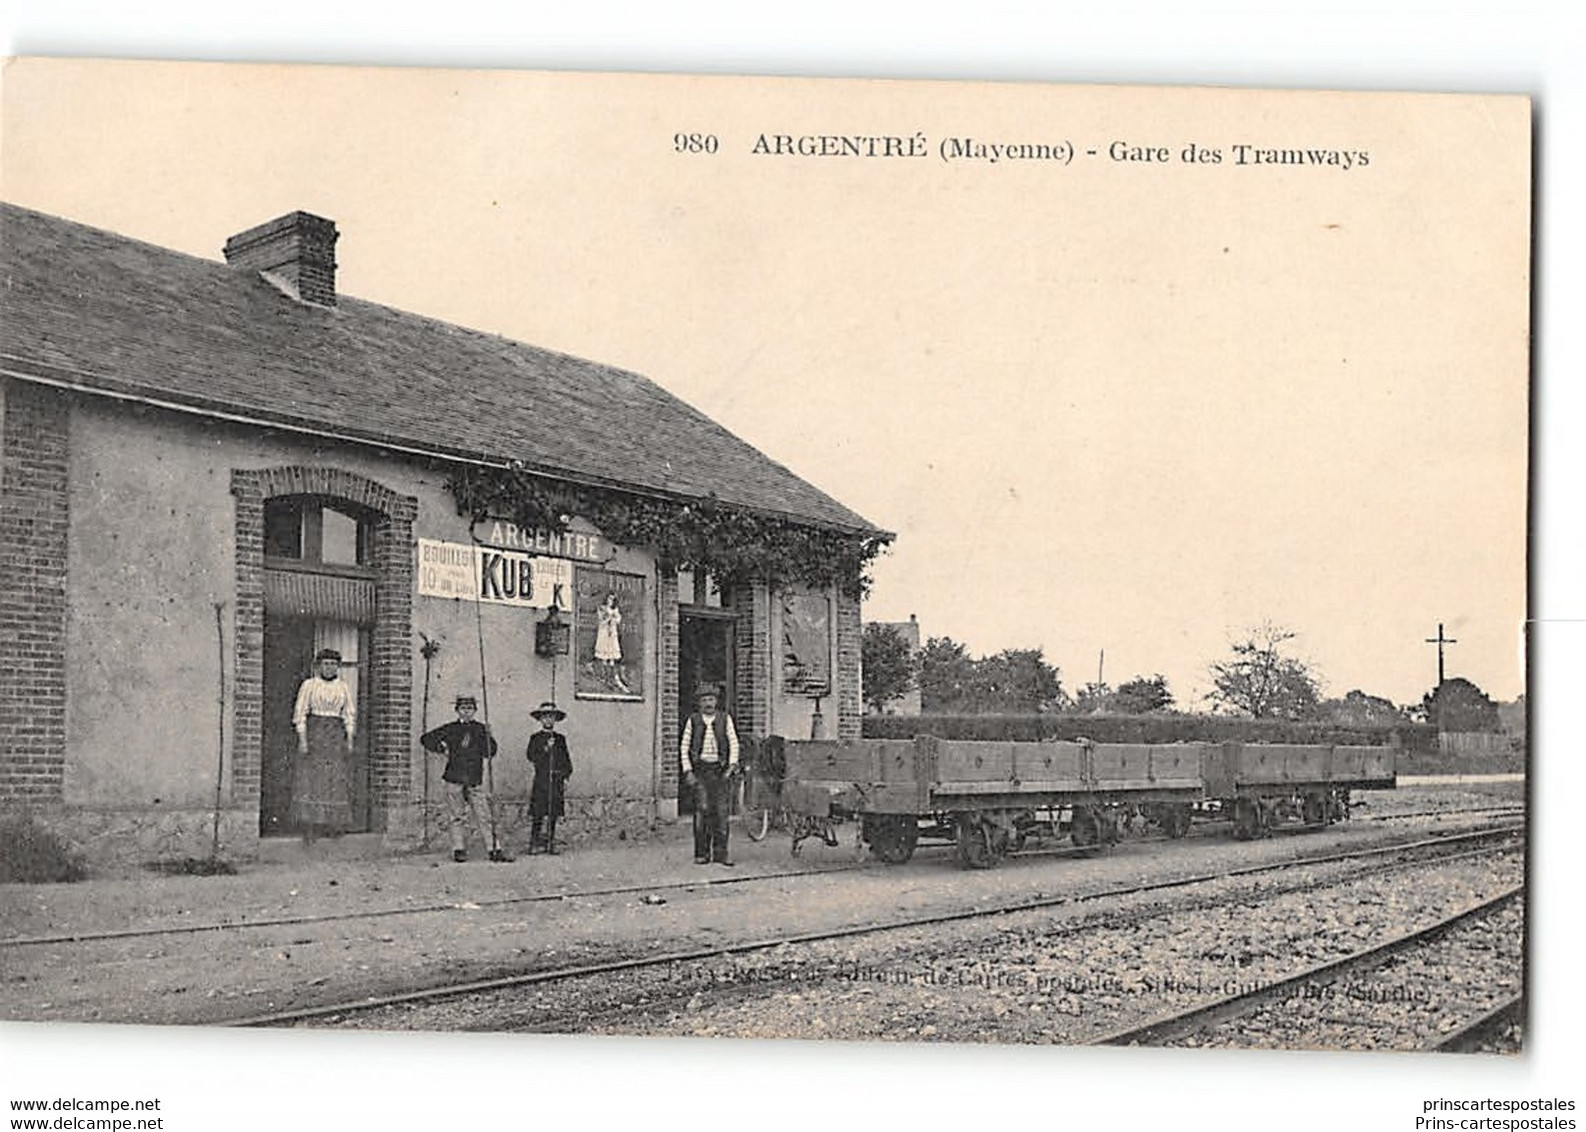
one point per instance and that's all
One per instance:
(290, 644)
(704, 656)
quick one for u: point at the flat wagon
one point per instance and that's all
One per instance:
(1262, 785)
(988, 797)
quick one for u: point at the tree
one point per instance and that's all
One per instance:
(888, 665)
(1143, 694)
(1458, 705)
(1357, 709)
(946, 677)
(1140, 696)
(1360, 709)
(1259, 681)
(1094, 699)
(1014, 680)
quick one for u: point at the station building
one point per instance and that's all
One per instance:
(214, 469)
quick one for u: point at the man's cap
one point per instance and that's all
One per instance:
(465, 701)
(326, 654)
(707, 690)
(548, 709)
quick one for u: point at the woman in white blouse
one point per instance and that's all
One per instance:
(325, 718)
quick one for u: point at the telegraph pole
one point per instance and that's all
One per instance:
(1440, 641)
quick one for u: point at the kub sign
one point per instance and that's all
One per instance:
(495, 577)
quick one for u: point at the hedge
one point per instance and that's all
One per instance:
(1159, 728)
(31, 853)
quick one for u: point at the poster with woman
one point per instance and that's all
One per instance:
(806, 644)
(608, 640)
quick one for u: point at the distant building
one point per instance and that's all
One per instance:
(909, 702)
(1511, 718)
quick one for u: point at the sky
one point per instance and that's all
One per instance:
(101, 166)
(1121, 409)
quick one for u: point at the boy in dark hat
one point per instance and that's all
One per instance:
(552, 767)
(324, 717)
(466, 743)
(708, 755)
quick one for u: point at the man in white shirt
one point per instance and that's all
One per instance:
(708, 755)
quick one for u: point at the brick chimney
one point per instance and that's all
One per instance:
(297, 251)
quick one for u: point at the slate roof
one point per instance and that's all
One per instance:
(108, 314)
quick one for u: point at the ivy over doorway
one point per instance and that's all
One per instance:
(733, 544)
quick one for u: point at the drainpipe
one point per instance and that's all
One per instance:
(220, 720)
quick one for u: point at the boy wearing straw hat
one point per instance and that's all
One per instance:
(466, 743)
(552, 767)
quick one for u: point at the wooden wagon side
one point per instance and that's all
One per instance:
(1262, 785)
(983, 795)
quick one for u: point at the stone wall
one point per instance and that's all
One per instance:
(121, 840)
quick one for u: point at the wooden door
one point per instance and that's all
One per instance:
(288, 661)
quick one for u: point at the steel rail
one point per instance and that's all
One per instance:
(1168, 1027)
(417, 909)
(1482, 1026)
(532, 898)
(1128, 918)
(1514, 809)
(1062, 851)
(693, 955)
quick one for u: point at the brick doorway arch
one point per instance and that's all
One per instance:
(390, 663)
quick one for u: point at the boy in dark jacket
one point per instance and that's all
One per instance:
(466, 743)
(552, 767)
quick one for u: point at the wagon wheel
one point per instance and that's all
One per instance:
(1084, 831)
(757, 822)
(1178, 820)
(799, 827)
(1107, 827)
(1247, 819)
(753, 818)
(976, 849)
(892, 838)
(1314, 810)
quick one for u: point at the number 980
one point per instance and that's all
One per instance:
(694, 143)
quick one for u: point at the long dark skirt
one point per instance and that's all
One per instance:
(545, 796)
(321, 779)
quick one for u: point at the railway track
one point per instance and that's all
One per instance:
(1223, 1014)
(1485, 811)
(1486, 1030)
(440, 908)
(422, 909)
(711, 993)
(1435, 849)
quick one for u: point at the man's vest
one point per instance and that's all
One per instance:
(696, 736)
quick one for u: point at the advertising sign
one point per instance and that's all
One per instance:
(494, 577)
